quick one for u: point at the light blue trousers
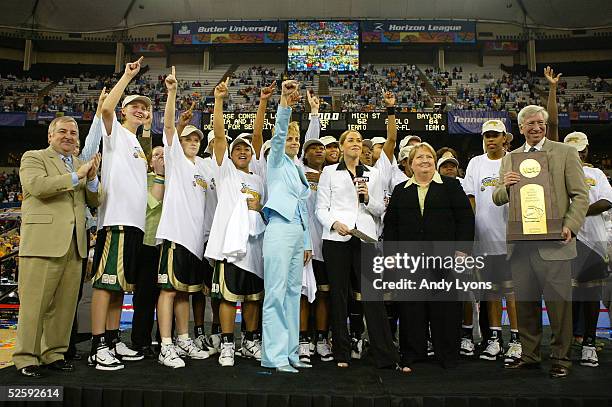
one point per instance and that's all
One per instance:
(283, 252)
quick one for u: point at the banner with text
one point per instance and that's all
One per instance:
(228, 32)
(13, 119)
(157, 127)
(420, 31)
(470, 121)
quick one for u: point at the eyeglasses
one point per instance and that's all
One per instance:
(539, 123)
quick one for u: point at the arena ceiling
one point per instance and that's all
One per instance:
(98, 15)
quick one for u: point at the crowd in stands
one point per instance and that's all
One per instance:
(10, 188)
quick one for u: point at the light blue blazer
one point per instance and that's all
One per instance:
(288, 188)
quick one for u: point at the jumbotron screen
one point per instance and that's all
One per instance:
(323, 46)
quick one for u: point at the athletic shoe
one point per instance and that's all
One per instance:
(104, 359)
(169, 357)
(467, 347)
(213, 342)
(493, 350)
(324, 350)
(430, 349)
(589, 356)
(304, 351)
(200, 342)
(312, 348)
(123, 352)
(356, 348)
(190, 349)
(514, 352)
(226, 358)
(251, 349)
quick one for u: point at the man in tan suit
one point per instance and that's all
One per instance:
(544, 267)
(56, 186)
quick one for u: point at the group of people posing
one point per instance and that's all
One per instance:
(280, 228)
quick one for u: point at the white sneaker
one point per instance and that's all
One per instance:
(104, 359)
(514, 352)
(467, 347)
(356, 348)
(251, 349)
(213, 342)
(312, 348)
(493, 350)
(169, 357)
(589, 356)
(200, 342)
(123, 352)
(430, 349)
(190, 349)
(226, 357)
(304, 351)
(324, 350)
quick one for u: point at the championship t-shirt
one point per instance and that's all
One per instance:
(231, 183)
(124, 179)
(481, 178)
(316, 229)
(593, 232)
(182, 218)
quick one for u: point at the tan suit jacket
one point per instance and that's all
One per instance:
(52, 208)
(571, 195)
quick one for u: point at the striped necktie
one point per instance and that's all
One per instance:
(68, 163)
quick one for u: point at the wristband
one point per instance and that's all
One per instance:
(159, 179)
(391, 111)
(146, 129)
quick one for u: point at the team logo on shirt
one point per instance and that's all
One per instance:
(590, 182)
(246, 190)
(138, 153)
(198, 181)
(212, 184)
(489, 182)
(313, 185)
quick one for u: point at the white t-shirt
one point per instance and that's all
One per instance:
(182, 217)
(316, 229)
(481, 178)
(390, 175)
(124, 179)
(231, 183)
(593, 232)
(209, 168)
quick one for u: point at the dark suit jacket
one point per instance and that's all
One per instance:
(447, 215)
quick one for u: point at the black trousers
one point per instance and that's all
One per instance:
(342, 260)
(74, 333)
(145, 296)
(444, 319)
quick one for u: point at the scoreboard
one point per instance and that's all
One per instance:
(338, 121)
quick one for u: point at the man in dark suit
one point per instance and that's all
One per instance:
(56, 187)
(544, 267)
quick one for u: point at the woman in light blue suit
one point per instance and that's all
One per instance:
(286, 246)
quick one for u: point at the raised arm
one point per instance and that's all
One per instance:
(111, 101)
(220, 146)
(314, 127)
(92, 141)
(290, 95)
(185, 119)
(389, 146)
(264, 96)
(170, 110)
(551, 106)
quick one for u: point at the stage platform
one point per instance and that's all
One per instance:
(206, 384)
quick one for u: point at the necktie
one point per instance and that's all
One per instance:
(533, 149)
(68, 163)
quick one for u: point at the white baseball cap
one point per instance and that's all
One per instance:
(266, 146)
(136, 98)
(310, 142)
(367, 142)
(577, 139)
(378, 140)
(211, 137)
(191, 129)
(493, 125)
(447, 159)
(327, 140)
(242, 138)
(404, 152)
(407, 139)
